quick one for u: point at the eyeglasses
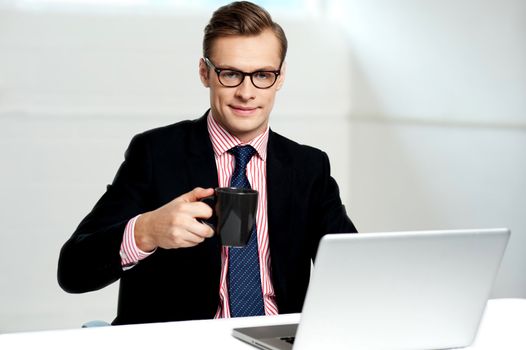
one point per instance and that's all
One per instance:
(262, 79)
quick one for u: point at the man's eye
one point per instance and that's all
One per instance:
(263, 75)
(230, 74)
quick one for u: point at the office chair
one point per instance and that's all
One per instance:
(95, 323)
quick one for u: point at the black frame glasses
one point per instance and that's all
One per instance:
(261, 79)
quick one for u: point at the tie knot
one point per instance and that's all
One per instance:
(242, 154)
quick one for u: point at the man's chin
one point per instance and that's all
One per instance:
(245, 133)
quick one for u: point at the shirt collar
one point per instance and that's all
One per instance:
(222, 140)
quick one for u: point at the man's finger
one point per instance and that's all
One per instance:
(196, 194)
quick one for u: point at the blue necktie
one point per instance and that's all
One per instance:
(244, 281)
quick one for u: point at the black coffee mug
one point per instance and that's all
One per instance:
(234, 214)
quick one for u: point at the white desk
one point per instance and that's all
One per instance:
(503, 327)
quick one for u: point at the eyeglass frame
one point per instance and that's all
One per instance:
(218, 71)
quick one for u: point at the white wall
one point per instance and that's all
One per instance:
(449, 61)
(438, 131)
(421, 109)
(411, 176)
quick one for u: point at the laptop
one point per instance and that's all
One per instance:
(393, 290)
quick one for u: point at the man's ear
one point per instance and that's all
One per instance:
(281, 78)
(204, 73)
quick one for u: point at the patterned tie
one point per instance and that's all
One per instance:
(244, 281)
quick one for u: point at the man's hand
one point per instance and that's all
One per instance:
(175, 224)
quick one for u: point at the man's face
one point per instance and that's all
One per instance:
(243, 110)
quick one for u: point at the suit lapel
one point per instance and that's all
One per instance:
(279, 204)
(202, 172)
(201, 165)
(279, 173)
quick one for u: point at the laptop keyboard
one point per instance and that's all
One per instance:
(289, 340)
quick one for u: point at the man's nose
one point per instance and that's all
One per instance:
(246, 90)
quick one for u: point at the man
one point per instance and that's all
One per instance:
(145, 230)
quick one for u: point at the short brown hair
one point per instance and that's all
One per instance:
(241, 18)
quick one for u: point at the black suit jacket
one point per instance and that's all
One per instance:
(183, 284)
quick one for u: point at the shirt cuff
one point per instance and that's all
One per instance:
(130, 253)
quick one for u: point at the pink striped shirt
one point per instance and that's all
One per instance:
(222, 141)
(130, 253)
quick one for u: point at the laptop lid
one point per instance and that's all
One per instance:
(400, 290)
(395, 290)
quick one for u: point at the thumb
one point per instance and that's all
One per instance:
(196, 194)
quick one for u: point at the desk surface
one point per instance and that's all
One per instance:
(502, 327)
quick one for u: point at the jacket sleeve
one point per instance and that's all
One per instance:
(90, 259)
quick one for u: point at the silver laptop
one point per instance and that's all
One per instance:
(398, 290)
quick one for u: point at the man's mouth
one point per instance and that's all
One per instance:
(243, 110)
